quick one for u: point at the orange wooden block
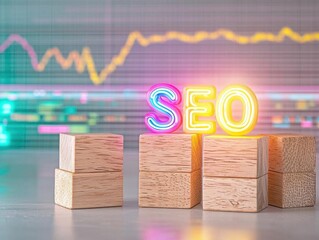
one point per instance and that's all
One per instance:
(235, 194)
(170, 152)
(292, 153)
(91, 152)
(288, 190)
(88, 190)
(230, 156)
(169, 190)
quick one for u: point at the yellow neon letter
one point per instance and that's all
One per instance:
(193, 109)
(224, 116)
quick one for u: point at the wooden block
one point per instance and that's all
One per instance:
(88, 190)
(91, 152)
(170, 152)
(169, 190)
(287, 190)
(235, 194)
(228, 156)
(292, 153)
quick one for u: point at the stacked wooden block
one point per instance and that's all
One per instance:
(292, 175)
(235, 173)
(170, 170)
(90, 172)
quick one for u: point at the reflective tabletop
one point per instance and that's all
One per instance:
(27, 210)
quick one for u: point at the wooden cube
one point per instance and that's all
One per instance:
(169, 190)
(292, 153)
(170, 152)
(88, 190)
(91, 152)
(235, 194)
(288, 190)
(228, 156)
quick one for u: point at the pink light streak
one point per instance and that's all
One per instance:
(53, 129)
(306, 124)
(84, 98)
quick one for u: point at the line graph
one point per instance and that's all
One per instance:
(85, 61)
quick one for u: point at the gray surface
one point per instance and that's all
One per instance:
(27, 211)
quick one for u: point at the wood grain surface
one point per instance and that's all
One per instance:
(287, 190)
(91, 152)
(242, 157)
(169, 190)
(235, 194)
(292, 153)
(170, 152)
(88, 190)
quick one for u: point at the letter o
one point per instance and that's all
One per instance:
(224, 110)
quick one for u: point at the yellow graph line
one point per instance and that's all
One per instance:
(85, 59)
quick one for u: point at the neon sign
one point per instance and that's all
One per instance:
(198, 108)
(164, 98)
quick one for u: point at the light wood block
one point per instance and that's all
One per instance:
(91, 152)
(170, 152)
(228, 156)
(88, 190)
(170, 190)
(287, 190)
(292, 153)
(235, 194)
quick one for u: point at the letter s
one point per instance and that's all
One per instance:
(163, 98)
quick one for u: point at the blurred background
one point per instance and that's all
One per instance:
(80, 66)
(56, 72)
